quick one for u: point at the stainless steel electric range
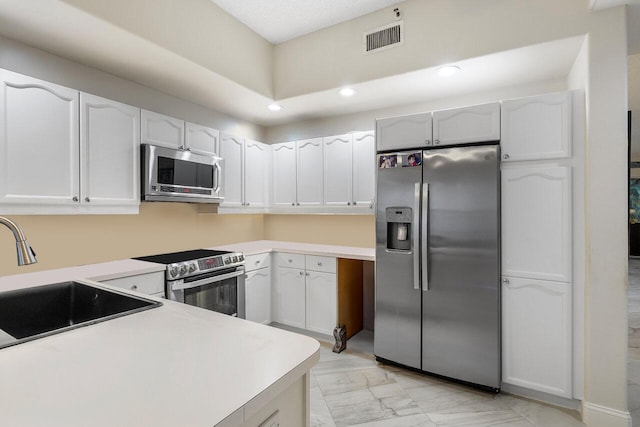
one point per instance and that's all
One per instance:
(205, 278)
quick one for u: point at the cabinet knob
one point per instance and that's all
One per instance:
(75, 198)
(134, 287)
(505, 156)
(301, 273)
(247, 203)
(436, 141)
(86, 199)
(257, 262)
(505, 281)
(290, 260)
(427, 142)
(348, 203)
(319, 264)
(298, 203)
(355, 203)
(306, 274)
(293, 204)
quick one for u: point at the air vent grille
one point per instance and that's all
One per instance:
(384, 37)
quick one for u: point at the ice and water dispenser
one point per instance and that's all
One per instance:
(399, 229)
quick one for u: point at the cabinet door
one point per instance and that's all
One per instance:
(284, 174)
(364, 169)
(322, 302)
(38, 141)
(469, 124)
(161, 130)
(149, 283)
(536, 335)
(201, 138)
(412, 131)
(232, 151)
(256, 174)
(289, 297)
(109, 152)
(536, 222)
(337, 170)
(258, 296)
(538, 127)
(309, 172)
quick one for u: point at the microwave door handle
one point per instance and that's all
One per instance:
(217, 176)
(212, 279)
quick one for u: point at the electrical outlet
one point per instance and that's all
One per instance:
(272, 421)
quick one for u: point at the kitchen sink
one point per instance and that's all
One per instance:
(37, 312)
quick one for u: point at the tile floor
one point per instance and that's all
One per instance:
(352, 389)
(633, 368)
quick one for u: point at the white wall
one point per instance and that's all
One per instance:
(634, 104)
(436, 32)
(197, 30)
(363, 121)
(37, 63)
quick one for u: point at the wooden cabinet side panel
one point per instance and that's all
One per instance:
(350, 295)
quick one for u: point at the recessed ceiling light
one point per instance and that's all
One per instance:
(275, 107)
(347, 91)
(448, 70)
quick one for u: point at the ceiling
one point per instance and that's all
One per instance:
(115, 51)
(280, 20)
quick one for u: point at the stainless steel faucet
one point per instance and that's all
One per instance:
(26, 255)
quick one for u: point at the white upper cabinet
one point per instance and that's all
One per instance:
(284, 174)
(257, 162)
(536, 222)
(364, 169)
(477, 123)
(158, 129)
(201, 139)
(39, 142)
(338, 170)
(110, 151)
(232, 151)
(537, 127)
(537, 335)
(397, 133)
(309, 172)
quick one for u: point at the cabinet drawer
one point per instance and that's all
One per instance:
(321, 263)
(254, 262)
(150, 283)
(290, 260)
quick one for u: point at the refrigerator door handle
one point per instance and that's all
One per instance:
(415, 244)
(425, 237)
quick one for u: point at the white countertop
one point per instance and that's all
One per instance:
(174, 365)
(261, 246)
(97, 272)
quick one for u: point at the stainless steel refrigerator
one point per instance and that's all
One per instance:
(437, 306)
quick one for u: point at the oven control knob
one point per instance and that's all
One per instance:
(173, 271)
(241, 257)
(234, 258)
(192, 267)
(183, 269)
(227, 260)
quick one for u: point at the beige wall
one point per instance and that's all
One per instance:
(348, 230)
(67, 240)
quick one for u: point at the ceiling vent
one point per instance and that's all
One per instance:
(385, 37)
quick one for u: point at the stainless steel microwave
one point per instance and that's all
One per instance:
(172, 175)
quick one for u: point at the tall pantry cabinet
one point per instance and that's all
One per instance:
(537, 242)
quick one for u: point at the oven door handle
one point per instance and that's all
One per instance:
(181, 285)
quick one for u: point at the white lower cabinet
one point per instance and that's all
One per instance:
(305, 292)
(322, 302)
(537, 335)
(289, 297)
(258, 288)
(148, 283)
